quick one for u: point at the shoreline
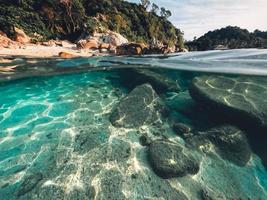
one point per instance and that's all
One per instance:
(41, 51)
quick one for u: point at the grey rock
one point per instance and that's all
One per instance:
(161, 83)
(241, 99)
(207, 194)
(141, 106)
(230, 143)
(182, 129)
(171, 160)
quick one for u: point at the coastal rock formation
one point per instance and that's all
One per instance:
(133, 77)
(5, 42)
(170, 160)
(131, 49)
(141, 106)
(102, 41)
(20, 36)
(115, 39)
(88, 44)
(230, 143)
(242, 99)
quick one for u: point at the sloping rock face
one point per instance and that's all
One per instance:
(106, 40)
(171, 160)
(242, 99)
(161, 83)
(230, 143)
(140, 107)
(20, 36)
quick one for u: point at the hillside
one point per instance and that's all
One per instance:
(229, 37)
(69, 19)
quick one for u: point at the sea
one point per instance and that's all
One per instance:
(154, 127)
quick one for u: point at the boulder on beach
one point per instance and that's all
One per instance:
(131, 49)
(142, 106)
(243, 100)
(229, 142)
(88, 44)
(170, 160)
(102, 41)
(115, 39)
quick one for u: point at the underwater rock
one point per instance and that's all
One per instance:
(29, 183)
(145, 140)
(140, 107)
(230, 143)
(120, 151)
(182, 129)
(134, 77)
(111, 183)
(50, 191)
(86, 140)
(171, 160)
(207, 194)
(241, 99)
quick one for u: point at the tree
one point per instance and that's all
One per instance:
(162, 12)
(168, 13)
(165, 13)
(145, 3)
(155, 8)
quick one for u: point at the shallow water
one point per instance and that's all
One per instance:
(57, 140)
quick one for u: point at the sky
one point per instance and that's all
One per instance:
(196, 17)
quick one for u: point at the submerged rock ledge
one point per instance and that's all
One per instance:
(241, 99)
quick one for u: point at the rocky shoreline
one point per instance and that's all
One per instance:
(97, 44)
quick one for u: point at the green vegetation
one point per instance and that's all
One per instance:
(231, 37)
(68, 19)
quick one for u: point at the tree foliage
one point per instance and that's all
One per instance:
(68, 19)
(231, 37)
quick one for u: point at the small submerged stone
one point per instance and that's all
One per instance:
(230, 143)
(170, 160)
(140, 107)
(182, 129)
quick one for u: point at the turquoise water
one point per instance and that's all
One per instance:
(57, 140)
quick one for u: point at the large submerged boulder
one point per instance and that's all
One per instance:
(242, 99)
(140, 107)
(229, 142)
(170, 160)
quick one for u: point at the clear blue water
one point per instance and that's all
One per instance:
(59, 126)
